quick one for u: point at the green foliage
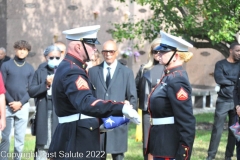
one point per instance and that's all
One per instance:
(215, 21)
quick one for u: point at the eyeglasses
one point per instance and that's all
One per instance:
(108, 51)
(51, 58)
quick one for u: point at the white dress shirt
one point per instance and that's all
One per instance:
(113, 67)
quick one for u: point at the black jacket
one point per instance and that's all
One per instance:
(38, 90)
(145, 80)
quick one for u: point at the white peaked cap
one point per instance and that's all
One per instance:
(88, 32)
(173, 41)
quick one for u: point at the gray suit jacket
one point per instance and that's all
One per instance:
(122, 87)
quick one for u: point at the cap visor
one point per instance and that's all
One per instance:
(91, 41)
(160, 48)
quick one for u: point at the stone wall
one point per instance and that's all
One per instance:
(41, 22)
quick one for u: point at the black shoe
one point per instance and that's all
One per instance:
(228, 158)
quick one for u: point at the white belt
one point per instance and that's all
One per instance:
(72, 118)
(161, 121)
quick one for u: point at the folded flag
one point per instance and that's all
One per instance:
(235, 128)
(113, 121)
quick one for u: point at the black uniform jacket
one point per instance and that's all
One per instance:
(72, 94)
(172, 97)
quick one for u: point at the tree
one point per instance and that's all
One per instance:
(205, 23)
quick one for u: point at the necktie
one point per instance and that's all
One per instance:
(108, 77)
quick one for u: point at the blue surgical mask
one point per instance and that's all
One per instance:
(52, 63)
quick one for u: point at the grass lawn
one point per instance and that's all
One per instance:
(135, 148)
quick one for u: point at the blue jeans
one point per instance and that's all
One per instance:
(19, 121)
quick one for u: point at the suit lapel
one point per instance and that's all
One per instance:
(116, 73)
(100, 74)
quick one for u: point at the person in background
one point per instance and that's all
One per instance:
(2, 104)
(17, 75)
(147, 78)
(62, 47)
(3, 56)
(120, 86)
(172, 130)
(236, 100)
(41, 89)
(225, 75)
(94, 60)
(76, 107)
(123, 61)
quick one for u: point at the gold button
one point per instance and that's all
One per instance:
(184, 155)
(185, 149)
(90, 128)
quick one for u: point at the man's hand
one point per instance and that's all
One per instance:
(15, 105)
(2, 123)
(131, 114)
(49, 80)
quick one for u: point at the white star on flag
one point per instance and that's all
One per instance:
(109, 120)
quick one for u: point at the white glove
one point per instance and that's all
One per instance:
(131, 114)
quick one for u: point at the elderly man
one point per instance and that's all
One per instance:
(77, 134)
(3, 56)
(121, 79)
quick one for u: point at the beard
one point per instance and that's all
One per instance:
(236, 58)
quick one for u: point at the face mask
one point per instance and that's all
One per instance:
(53, 63)
(89, 65)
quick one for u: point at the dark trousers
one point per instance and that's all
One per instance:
(157, 158)
(238, 150)
(118, 156)
(145, 127)
(222, 110)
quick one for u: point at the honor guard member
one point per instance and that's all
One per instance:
(77, 134)
(172, 128)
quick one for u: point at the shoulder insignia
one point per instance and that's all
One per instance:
(182, 95)
(81, 84)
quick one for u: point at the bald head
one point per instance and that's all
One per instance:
(110, 51)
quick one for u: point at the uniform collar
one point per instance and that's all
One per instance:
(171, 70)
(76, 60)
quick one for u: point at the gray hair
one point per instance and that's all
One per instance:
(50, 49)
(3, 49)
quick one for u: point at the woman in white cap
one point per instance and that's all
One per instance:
(172, 130)
(40, 89)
